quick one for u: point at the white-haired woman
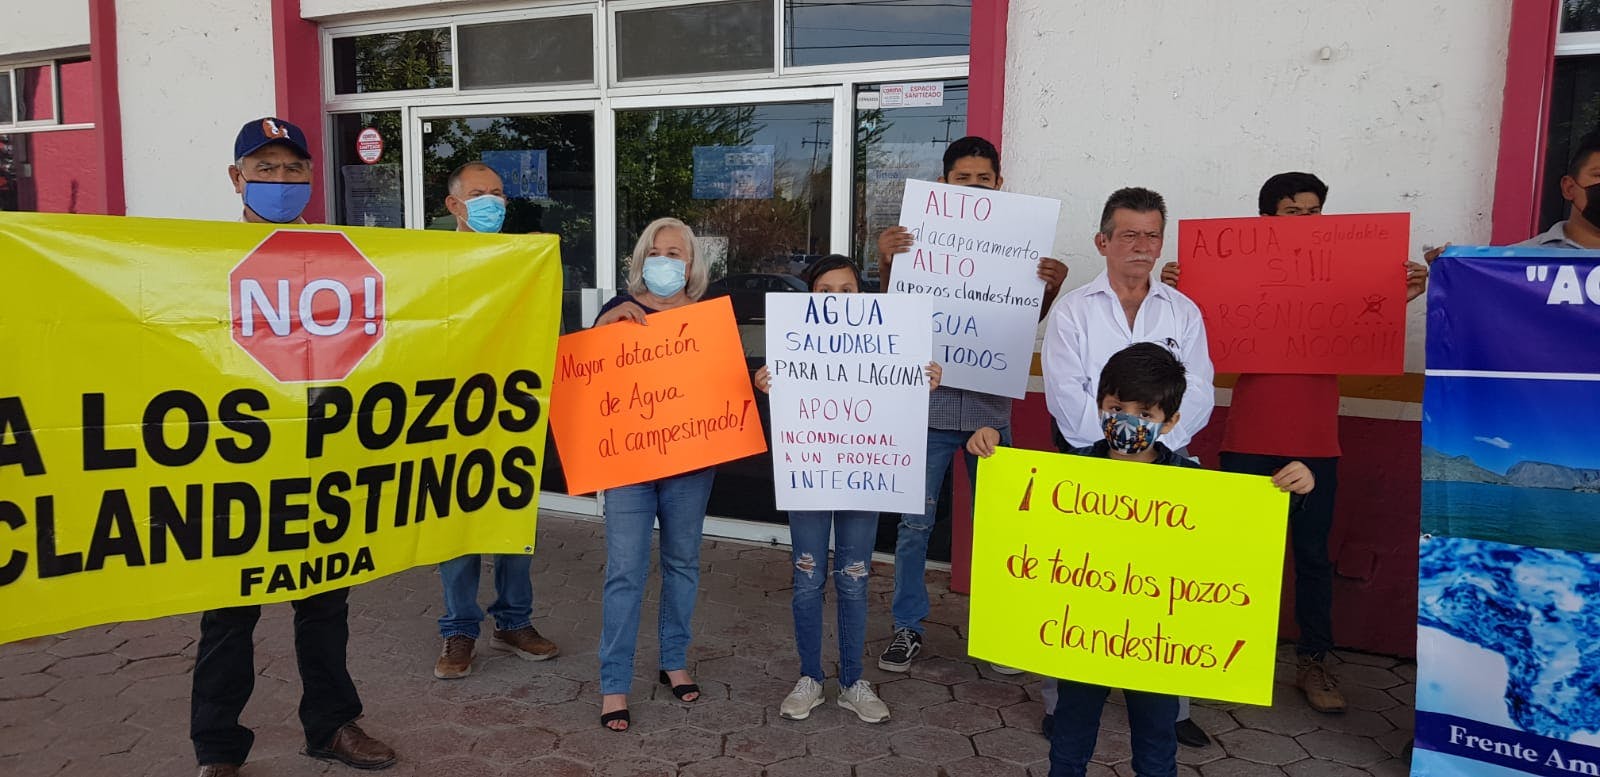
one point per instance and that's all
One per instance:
(664, 274)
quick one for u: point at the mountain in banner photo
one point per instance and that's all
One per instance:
(1506, 630)
(1491, 471)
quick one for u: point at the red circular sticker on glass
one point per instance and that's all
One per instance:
(369, 146)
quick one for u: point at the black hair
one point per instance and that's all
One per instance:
(455, 175)
(1145, 373)
(1136, 199)
(971, 145)
(1284, 186)
(828, 264)
(1588, 146)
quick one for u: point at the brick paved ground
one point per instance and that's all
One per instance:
(114, 700)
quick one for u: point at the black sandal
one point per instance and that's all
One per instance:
(681, 691)
(616, 715)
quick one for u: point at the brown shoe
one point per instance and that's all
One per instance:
(219, 770)
(352, 747)
(455, 659)
(1316, 678)
(525, 642)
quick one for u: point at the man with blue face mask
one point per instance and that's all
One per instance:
(272, 172)
(477, 200)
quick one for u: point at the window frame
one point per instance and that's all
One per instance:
(9, 125)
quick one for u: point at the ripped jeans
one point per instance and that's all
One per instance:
(854, 533)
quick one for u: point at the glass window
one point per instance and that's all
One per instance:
(392, 61)
(755, 184)
(50, 172)
(696, 39)
(6, 116)
(527, 53)
(77, 91)
(369, 169)
(1580, 15)
(892, 145)
(1574, 111)
(35, 98)
(828, 32)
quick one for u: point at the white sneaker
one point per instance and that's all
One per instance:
(1006, 670)
(806, 696)
(860, 699)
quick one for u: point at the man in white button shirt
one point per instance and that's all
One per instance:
(1120, 307)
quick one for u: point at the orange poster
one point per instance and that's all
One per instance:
(635, 403)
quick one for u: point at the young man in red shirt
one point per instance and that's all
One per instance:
(1276, 419)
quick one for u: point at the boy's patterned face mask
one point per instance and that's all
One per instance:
(1129, 434)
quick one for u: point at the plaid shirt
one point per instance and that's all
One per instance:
(967, 411)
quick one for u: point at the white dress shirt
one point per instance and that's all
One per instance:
(1087, 327)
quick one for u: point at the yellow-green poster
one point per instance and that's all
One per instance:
(1160, 579)
(198, 415)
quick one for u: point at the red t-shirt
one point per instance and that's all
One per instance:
(1284, 415)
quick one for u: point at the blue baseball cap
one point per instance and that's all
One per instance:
(260, 132)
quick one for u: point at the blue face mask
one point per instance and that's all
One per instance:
(279, 203)
(664, 276)
(486, 213)
(1129, 434)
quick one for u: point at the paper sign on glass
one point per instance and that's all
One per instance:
(977, 255)
(1320, 295)
(849, 400)
(1161, 579)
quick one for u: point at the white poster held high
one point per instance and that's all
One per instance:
(977, 255)
(849, 400)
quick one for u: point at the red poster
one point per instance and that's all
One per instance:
(1300, 294)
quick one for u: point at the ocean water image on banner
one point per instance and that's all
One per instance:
(1508, 637)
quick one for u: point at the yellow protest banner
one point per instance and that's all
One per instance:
(1160, 579)
(198, 415)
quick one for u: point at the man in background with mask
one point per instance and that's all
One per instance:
(272, 173)
(1581, 187)
(477, 200)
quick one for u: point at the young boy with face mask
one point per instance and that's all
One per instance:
(1139, 392)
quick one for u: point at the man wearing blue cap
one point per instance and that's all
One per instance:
(477, 199)
(272, 171)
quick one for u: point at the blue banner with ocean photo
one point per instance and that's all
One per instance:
(1508, 637)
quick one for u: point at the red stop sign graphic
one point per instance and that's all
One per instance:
(308, 306)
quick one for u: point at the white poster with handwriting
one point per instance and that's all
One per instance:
(849, 400)
(977, 255)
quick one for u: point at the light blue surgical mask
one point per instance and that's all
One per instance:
(1129, 434)
(664, 276)
(279, 203)
(486, 213)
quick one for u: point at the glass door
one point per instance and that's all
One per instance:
(754, 174)
(546, 155)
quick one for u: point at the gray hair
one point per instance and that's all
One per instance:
(1136, 199)
(453, 183)
(699, 272)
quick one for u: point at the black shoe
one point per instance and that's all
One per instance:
(897, 657)
(1047, 724)
(1191, 735)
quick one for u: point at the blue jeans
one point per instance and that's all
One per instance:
(631, 513)
(1077, 726)
(911, 539)
(854, 534)
(513, 594)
